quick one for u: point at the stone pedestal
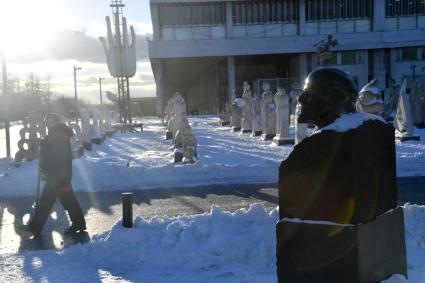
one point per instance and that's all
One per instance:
(282, 118)
(364, 253)
(338, 208)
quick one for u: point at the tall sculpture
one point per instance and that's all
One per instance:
(176, 109)
(338, 208)
(256, 116)
(268, 113)
(296, 91)
(236, 117)
(417, 100)
(85, 128)
(390, 100)
(282, 118)
(403, 119)
(120, 57)
(246, 123)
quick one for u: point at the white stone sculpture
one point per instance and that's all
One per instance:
(108, 122)
(176, 108)
(30, 136)
(225, 114)
(404, 130)
(256, 116)
(85, 128)
(95, 135)
(416, 103)
(282, 102)
(300, 128)
(391, 100)
(294, 94)
(236, 117)
(186, 145)
(246, 123)
(268, 113)
(128, 68)
(370, 100)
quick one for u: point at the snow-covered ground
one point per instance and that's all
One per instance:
(145, 160)
(213, 247)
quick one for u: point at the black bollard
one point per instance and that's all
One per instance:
(127, 210)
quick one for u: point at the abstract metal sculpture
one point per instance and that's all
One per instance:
(120, 57)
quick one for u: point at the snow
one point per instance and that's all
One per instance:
(396, 278)
(212, 247)
(350, 121)
(145, 160)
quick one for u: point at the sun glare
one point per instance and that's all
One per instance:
(25, 25)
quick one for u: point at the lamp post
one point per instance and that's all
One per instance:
(4, 90)
(100, 90)
(75, 90)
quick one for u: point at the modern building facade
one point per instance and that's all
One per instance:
(205, 49)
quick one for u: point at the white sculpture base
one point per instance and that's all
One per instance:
(283, 140)
(266, 137)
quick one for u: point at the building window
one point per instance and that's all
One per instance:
(351, 58)
(322, 10)
(265, 11)
(192, 14)
(407, 54)
(396, 8)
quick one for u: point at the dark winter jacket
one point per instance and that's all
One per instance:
(56, 156)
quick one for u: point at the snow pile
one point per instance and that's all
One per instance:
(213, 247)
(350, 121)
(396, 278)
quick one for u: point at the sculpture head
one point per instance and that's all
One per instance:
(327, 93)
(246, 86)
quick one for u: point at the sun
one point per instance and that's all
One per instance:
(25, 25)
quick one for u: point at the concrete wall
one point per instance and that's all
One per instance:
(335, 27)
(404, 68)
(404, 23)
(190, 33)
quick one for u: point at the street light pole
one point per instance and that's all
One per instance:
(100, 90)
(75, 89)
(4, 90)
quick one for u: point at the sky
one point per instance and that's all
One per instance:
(49, 37)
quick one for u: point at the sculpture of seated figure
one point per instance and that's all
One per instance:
(370, 100)
(268, 113)
(185, 145)
(339, 219)
(246, 123)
